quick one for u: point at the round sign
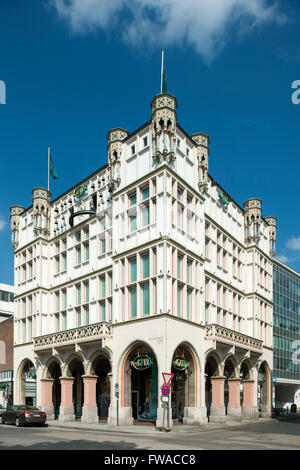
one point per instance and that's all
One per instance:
(165, 390)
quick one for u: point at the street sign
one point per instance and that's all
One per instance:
(117, 386)
(167, 377)
(165, 390)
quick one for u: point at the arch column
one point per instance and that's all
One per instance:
(234, 410)
(66, 407)
(249, 410)
(89, 409)
(217, 409)
(47, 397)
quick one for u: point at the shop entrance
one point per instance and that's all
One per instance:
(140, 384)
(144, 392)
(183, 382)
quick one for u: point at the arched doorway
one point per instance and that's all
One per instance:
(54, 372)
(27, 384)
(184, 383)
(229, 373)
(140, 383)
(76, 370)
(101, 367)
(211, 370)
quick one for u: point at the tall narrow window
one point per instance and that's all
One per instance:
(102, 311)
(146, 265)
(78, 317)
(86, 251)
(78, 255)
(133, 304)
(189, 271)
(64, 292)
(188, 303)
(103, 244)
(87, 291)
(179, 266)
(102, 282)
(145, 193)
(179, 299)
(132, 222)
(133, 271)
(57, 301)
(145, 215)
(87, 316)
(132, 199)
(78, 289)
(146, 298)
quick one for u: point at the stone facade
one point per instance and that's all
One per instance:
(146, 267)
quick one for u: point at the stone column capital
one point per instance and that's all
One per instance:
(89, 377)
(67, 378)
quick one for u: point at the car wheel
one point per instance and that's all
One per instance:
(18, 424)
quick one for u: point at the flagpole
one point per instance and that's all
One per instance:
(48, 168)
(162, 70)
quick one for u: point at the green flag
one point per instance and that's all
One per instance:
(53, 171)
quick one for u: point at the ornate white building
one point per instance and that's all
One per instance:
(146, 266)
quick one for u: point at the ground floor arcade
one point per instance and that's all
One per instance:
(213, 379)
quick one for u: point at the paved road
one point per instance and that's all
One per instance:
(282, 435)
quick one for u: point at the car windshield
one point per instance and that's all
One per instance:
(26, 407)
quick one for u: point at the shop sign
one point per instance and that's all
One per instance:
(80, 191)
(142, 362)
(30, 374)
(180, 363)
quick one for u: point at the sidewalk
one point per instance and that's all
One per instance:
(142, 429)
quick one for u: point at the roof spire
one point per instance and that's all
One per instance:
(163, 82)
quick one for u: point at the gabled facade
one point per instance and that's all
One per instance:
(146, 266)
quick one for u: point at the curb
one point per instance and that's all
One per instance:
(147, 430)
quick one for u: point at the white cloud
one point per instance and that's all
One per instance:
(206, 25)
(2, 223)
(283, 258)
(294, 243)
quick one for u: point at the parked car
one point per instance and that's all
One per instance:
(23, 414)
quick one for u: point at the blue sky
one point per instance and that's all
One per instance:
(74, 69)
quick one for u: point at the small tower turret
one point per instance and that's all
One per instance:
(202, 142)
(41, 211)
(115, 138)
(252, 220)
(15, 212)
(163, 121)
(272, 223)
